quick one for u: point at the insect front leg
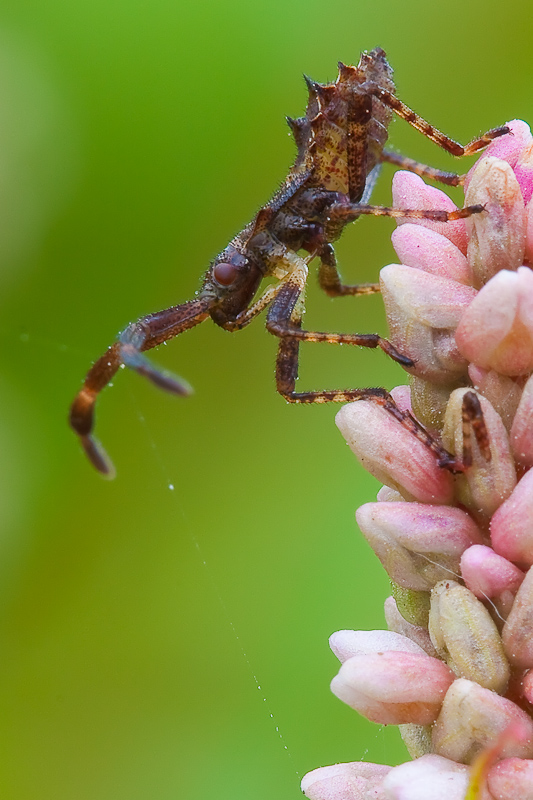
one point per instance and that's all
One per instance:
(341, 213)
(142, 335)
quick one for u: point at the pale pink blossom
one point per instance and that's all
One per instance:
(453, 523)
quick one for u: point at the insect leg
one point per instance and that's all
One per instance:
(330, 280)
(449, 178)
(245, 317)
(440, 139)
(142, 335)
(349, 212)
(284, 321)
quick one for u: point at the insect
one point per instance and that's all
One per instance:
(340, 146)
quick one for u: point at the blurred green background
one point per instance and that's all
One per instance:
(162, 643)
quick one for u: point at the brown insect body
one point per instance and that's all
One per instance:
(340, 143)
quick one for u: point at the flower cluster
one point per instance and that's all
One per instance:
(455, 668)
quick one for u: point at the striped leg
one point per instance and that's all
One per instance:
(432, 133)
(284, 321)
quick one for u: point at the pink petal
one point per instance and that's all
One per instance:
(425, 249)
(497, 235)
(512, 524)
(512, 779)
(508, 148)
(394, 688)
(346, 644)
(423, 311)
(471, 719)
(392, 454)
(516, 633)
(522, 427)
(410, 192)
(418, 544)
(430, 777)
(496, 330)
(489, 575)
(354, 781)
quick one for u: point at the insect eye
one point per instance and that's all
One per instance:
(225, 274)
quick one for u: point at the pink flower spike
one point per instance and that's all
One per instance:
(392, 454)
(418, 544)
(353, 781)
(430, 777)
(423, 311)
(410, 192)
(496, 330)
(346, 644)
(472, 718)
(512, 779)
(511, 527)
(422, 248)
(489, 575)
(394, 688)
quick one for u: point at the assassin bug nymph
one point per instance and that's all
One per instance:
(340, 143)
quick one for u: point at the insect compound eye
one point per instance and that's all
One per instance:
(225, 274)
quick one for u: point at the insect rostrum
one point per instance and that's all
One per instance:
(340, 143)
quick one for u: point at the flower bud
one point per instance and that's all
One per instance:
(391, 453)
(522, 427)
(423, 312)
(496, 330)
(511, 527)
(489, 576)
(394, 688)
(428, 778)
(417, 544)
(466, 637)
(472, 717)
(497, 237)
(516, 633)
(354, 781)
(486, 483)
(512, 779)
(422, 248)
(346, 644)
(410, 192)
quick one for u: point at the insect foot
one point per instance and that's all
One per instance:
(340, 145)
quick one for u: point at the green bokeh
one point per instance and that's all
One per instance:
(138, 622)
